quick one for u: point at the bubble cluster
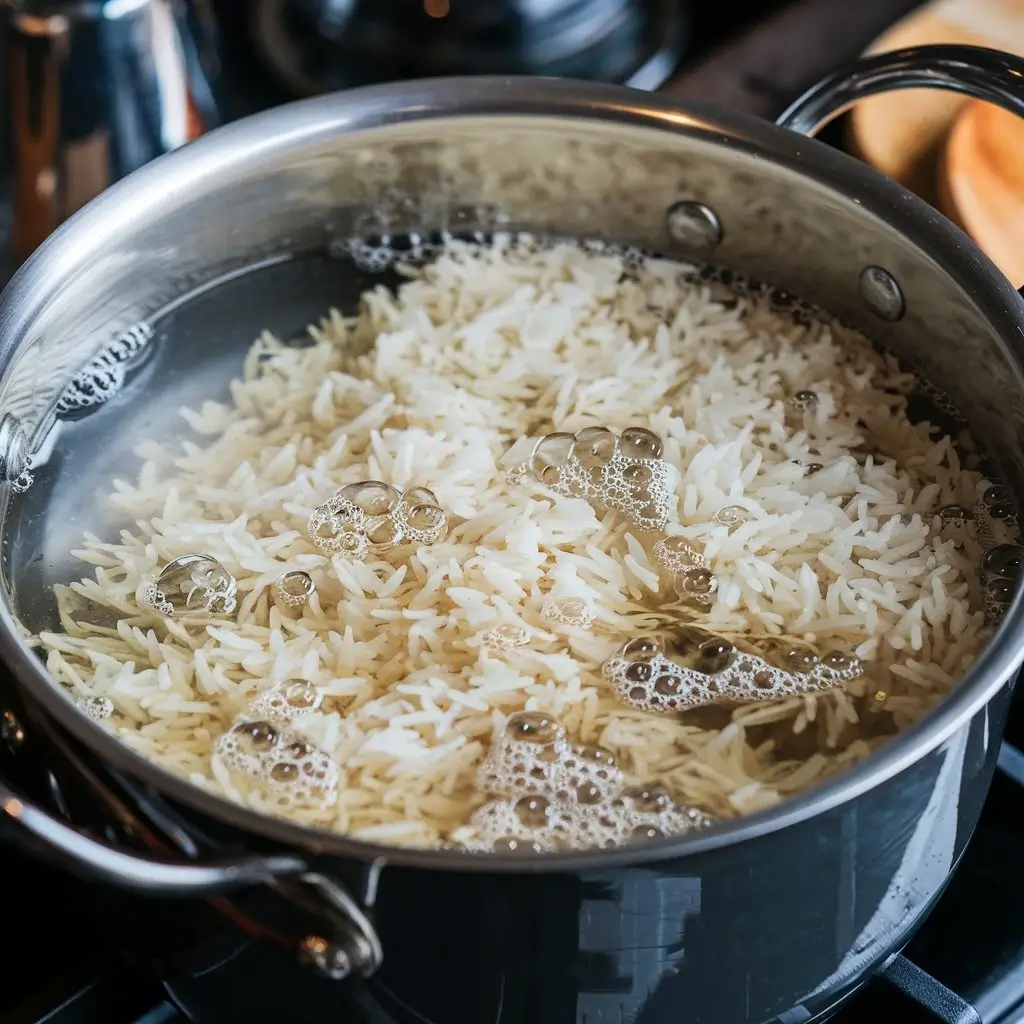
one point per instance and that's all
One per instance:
(953, 514)
(694, 667)
(380, 243)
(956, 522)
(375, 254)
(995, 517)
(104, 375)
(570, 611)
(516, 475)
(1001, 568)
(937, 397)
(626, 473)
(994, 523)
(192, 583)
(96, 708)
(504, 636)
(550, 795)
(691, 575)
(278, 764)
(374, 516)
(286, 702)
(294, 588)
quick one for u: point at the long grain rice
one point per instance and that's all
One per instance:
(438, 385)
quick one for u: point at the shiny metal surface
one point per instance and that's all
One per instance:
(882, 293)
(976, 71)
(327, 958)
(771, 932)
(97, 90)
(694, 225)
(355, 948)
(177, 861)
(38, 832)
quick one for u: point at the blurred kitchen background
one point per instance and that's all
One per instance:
(91, 90)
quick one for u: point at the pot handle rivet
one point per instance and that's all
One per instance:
(882, 293)
(327, 958)
(693, 225)
(354, 949)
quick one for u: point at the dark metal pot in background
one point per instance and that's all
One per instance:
(318, 46)
(771, 918)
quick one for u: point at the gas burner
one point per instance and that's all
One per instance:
(317, 46)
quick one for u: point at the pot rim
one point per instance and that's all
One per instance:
(320, 118)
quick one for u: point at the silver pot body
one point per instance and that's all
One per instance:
(568, 159)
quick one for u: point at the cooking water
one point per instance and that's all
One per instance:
(541, 790)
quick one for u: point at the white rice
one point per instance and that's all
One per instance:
(481, 349)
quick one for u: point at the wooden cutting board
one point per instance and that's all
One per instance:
(903, 134)
(981, 184)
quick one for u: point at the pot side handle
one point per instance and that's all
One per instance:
(41, 835)
(976, 71)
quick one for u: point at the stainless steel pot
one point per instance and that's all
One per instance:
(790, 907)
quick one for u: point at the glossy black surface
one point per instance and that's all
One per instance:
(315, 46)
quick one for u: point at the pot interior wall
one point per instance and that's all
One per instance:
(197, 350)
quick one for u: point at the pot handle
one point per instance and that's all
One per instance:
(30, 827)
(976, 71)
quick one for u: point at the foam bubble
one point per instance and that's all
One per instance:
(515, 475)
(504, 636)
(995, 518)
(191, 583)
(96, 708)
(286, 702)
(994, 524)
(804, 401)
(266, 756)
(677, 554)
(694, 667)
(374, 516)
(730, 515)
(378, 254)
(278, 764)
(691, 575)
(937, 397)
(549, 794)
(625, 473)
(571, 611)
